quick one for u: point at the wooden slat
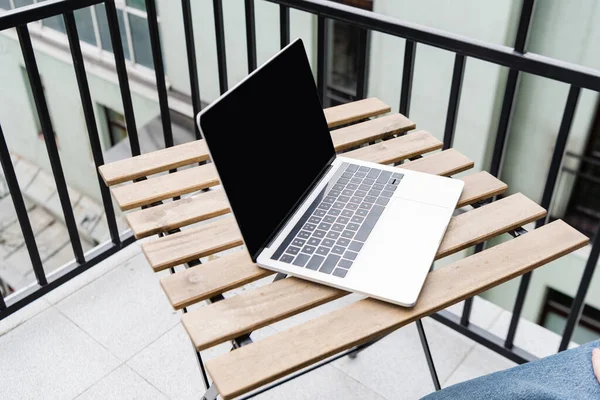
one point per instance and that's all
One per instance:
(397, 149)
(196, 151)
(165, 186)
(355, 111)
(201, 282)
(191, 244)
(177, 214)
(259, 307)
(378, 128)
(204, 281)
(480, 186)
(154, 162)
(262, 362)
(445, 163)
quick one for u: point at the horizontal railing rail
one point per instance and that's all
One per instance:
(516, 59)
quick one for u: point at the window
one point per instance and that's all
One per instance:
(583, 209)
(345, 49)
(92, 26)
(115, 123)
(556, 311)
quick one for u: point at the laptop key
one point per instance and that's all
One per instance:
(364, 187)
(343, 181)
(344, 199)
(356, 180)
(309, 227)
(351, 206)
(352, 168)
(314, 241)
(315, 262)
(382, 201)
(328, 242)
(345, 263)
(360, 174)
(343, 242)
(347, 192)
(366, 206)
(332, 235)
(292, 250)
(343, 220)
(301, 260)
(329, 219)
(368, 181)
(378, 186)
(352, 226)
(386, 193)
(334, 193)
(374, 173)
(338, 250)
(369, 223)
(298, 242)
(347, 175)
(355, 199)
(303, 234)
(357, 219)
(340, 272)
(360, 193)
(352, 186)
(391, 188)
(348, 234)
(355, 246)
(338, 204)
(370, 199)
(324, 206)
(383, 177)
(319, 233)
(334, 211)
(338, 187)
(374, 193)
(322, 250)
(350, 255)
(325, 226)
(397, 175)
(361, 212)
(329, 264)
(364, 169)
(308, 249)
(314, 220)
(347, 213)
(328, 199)
(286, 258)
(319, 213)
(337, 227)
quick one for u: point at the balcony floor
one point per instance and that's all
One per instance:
(110, 333)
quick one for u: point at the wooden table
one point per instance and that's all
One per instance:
(386, 139)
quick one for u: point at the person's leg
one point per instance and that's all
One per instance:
(567, 375)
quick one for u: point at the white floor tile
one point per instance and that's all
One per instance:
(123, 383)
(49, 357)
(480, 361)
(125, 309)
(326, 383)
(29, 311)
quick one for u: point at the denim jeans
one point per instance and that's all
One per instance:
(567, 375)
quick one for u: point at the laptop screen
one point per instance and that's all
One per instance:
(269, 141)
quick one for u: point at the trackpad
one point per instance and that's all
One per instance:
(402, 246)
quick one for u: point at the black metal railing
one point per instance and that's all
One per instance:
(516, 59)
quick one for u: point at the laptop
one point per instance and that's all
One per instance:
(302, 210)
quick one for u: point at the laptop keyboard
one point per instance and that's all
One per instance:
(337, 224)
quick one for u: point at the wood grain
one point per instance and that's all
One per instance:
(445, 163)
(374, 129)
(154, 162)
(355, 111)
(176, 214)
(259, 307)
(283, 353)
(164, 187)
(191, 244)
(201, 282)
(204, 281)
(397, 149)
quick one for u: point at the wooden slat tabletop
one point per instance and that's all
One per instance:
(383, 139)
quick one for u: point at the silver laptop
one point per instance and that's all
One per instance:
(307, 212)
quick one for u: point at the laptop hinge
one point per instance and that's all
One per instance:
(293, 210)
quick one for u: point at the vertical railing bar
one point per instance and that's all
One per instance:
(90, 120)
(284, 25)
(505, 121)
(584, 285)
(322, 54)
(250, 34)
(190, 47)
(2, 302)
(454, 101)
(555, 164)
(363, 64)
(159, 71)
(220, 36)
(21, 210)
(408, 69)
(51, 147)
(115, 38)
